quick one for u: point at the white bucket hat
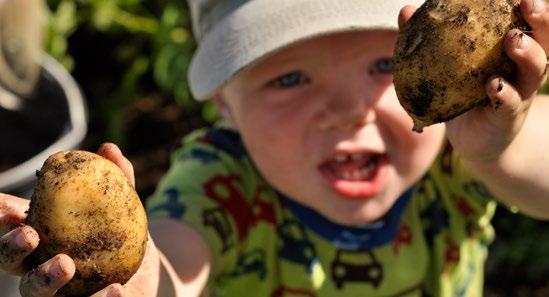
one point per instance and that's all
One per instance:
(232, 34)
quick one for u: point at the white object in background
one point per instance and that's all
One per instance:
(9, 100)
(24, 173)
(9, 285)
(21, 26)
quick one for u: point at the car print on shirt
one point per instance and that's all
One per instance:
(253, 261)
(172, 205)
(356, 266)
(216, 218)
(296, 247)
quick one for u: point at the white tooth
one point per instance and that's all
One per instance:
(364, 172)
(346, 175)
(356, 175)
(340, 158)
(356, 157)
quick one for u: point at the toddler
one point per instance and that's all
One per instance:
(314, 183)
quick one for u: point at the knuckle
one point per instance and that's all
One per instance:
(14, 246)
(36, 284)
(46, 279)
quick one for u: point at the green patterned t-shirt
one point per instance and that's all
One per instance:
(262, 244)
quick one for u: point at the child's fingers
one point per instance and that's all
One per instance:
(12, 212)
(113, 153)
(49, 277)
(15, 246)
(530, 59)
(405, 14)
(506, 104)
(536, 14)
(113, 290)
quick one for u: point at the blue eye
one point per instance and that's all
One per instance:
(383, 66)
(291, 79)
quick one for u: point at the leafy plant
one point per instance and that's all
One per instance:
(147, 46)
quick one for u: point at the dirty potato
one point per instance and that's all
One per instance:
(85, 207)
(447, 51)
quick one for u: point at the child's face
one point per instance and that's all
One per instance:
(322, 123)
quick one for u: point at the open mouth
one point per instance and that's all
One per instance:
(355, 175)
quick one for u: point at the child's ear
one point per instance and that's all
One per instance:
(224, 110)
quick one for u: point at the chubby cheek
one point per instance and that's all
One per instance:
(412, 153)
(274, 146)
(276, 162)
(421, 150)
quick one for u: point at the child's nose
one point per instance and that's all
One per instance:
(348, 110)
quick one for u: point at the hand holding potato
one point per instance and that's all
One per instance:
(446, 52)
(18, 241)
(486, 132)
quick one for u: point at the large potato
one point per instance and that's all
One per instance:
(447, 51)
(85, 207)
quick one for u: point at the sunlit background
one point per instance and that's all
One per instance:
(129, 59)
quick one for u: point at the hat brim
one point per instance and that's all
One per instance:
(260, 28)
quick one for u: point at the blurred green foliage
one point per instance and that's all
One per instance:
(545, 88)
(156, 44)
(519, 253)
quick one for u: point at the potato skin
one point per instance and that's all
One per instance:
(85, 207)
(447, 51)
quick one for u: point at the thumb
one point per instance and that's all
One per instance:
(405, 14)
(113, 290)
(112, 152)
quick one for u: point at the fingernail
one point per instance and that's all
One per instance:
(520, 40)
(102, 147)
(500, 84)
(56, 269)
(538, 6)
(114, 292)
(497, 83)
(21, 240)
